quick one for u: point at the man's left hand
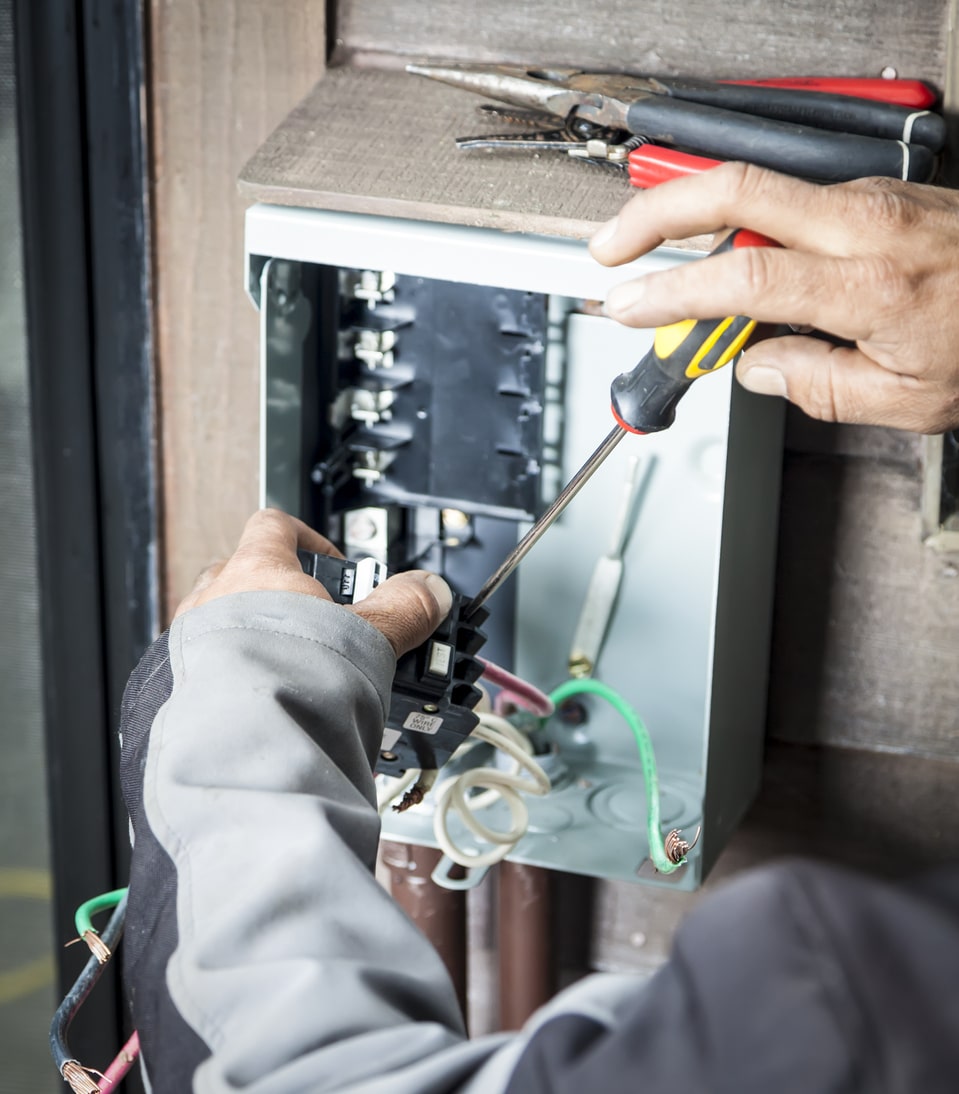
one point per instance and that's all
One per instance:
(406, 609)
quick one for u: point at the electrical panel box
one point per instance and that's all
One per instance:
(427, 390)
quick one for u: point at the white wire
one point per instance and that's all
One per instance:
(499, 786)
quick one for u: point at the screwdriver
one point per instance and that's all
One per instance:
(644, 399)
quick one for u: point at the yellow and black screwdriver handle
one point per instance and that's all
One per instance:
(644, 399)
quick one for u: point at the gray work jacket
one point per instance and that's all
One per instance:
(261, 956)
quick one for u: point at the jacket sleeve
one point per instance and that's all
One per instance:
(261, 955)
(260, 952)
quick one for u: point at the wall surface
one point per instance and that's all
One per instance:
(697, 37)
(866, 633)
(224, 73)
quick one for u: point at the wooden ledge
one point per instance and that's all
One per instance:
(377, 141)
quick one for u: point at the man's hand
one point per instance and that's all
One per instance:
(874, 262)
(406, 609)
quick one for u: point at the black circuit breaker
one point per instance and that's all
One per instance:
(438, 399)
(404, 418)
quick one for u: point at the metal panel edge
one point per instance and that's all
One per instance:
(744, 606)
(511, 261)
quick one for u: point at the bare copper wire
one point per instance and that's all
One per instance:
(81, 1078)
(100, 950)
(412, 797)
(676, 847)
(418, 791)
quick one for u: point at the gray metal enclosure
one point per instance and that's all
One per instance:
(688, 644)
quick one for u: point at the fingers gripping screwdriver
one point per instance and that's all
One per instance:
(644, 399)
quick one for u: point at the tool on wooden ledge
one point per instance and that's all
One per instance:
(647, 164)
(885, 89)
(644, 400)
(605, 117)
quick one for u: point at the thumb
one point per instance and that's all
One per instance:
(407, 608)
(834, 383)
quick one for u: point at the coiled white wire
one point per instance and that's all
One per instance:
(497, 785)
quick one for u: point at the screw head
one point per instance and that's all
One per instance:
(571, 712)
(580, 666)
(454, 518)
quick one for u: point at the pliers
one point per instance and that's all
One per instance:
(810, 133)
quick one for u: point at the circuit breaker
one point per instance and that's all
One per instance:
(427, 389)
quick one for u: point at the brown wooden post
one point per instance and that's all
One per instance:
(524, 924)
(439, 913)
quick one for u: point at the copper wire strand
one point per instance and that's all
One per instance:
(80, 1077)
(676, 847)
(413, 796)
(100, 950)
(418, 791)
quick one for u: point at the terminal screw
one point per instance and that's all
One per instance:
(580, 666)
(571, 712)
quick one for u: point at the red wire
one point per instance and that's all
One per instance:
(126, 1058)
(518, 689)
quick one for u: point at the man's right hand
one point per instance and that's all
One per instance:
(874, 262)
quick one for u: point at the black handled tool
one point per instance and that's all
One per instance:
(781, 146)
(644, 399)
(824, 111)
(635, 105)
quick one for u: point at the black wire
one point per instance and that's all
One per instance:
(84, 984)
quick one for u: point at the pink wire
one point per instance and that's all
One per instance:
(516, 689)
(126, 1058)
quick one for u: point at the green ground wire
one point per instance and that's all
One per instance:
(657, 851)
(85, 913)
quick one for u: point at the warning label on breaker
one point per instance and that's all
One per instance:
(423, 723)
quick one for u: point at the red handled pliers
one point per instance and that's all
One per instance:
(650, 164)
(659, 128)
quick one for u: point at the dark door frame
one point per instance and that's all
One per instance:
(84, 197)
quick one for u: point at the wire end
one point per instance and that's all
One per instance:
(418, 791)
(677, 848)
(100, 950)
(80, 1078)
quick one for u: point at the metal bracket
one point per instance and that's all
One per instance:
(285, 321)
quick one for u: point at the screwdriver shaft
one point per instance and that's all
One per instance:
(565, 496)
